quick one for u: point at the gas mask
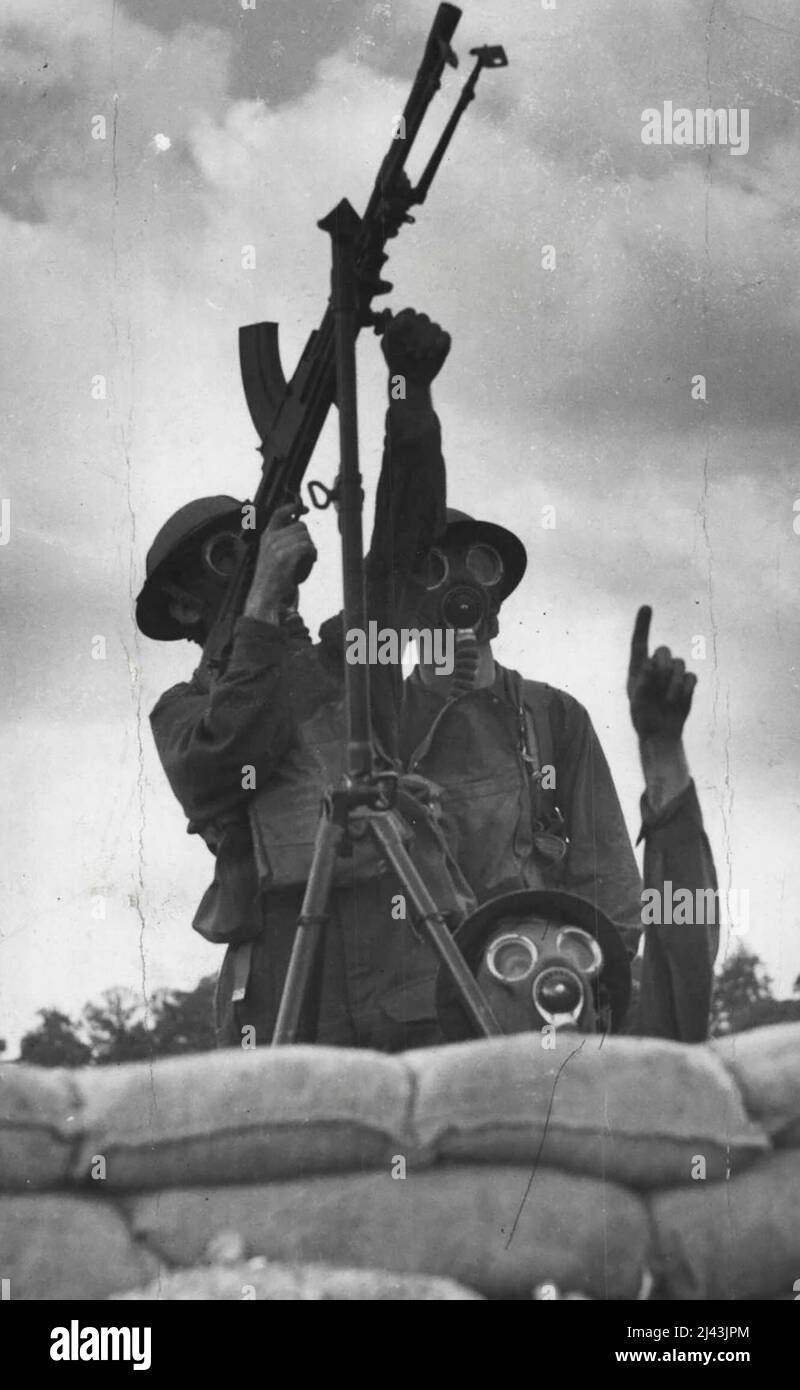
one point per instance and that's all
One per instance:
(459, 587)
(541, 957)
(535, 972)
(220, 554)
(200, 576)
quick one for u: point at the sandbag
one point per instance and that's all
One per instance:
(732, 1240)
(60, 1247)
(39, 1118)
(260, 1280)
(766, 1065)
(243, 1115)
(491, 1228)
(635, 1110)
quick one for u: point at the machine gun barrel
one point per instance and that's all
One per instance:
(289, 415)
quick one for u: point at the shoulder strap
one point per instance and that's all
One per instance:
(543, 723)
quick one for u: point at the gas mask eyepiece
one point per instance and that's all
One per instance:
(220, 554)
(511, 957)
(582, 949)
(481, 564)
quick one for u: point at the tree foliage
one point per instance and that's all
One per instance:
(55, 1043)
(743, 997)
(119, 1028)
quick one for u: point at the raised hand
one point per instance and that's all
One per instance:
(415, 347)
(286, 553)
(659, 686)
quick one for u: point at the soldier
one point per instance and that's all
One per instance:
(527, 791)
(545, 957)
(527, 794)
(248, 753)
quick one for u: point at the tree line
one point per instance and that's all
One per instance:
(118, 1028)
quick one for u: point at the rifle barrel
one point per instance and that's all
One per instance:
(437, 55)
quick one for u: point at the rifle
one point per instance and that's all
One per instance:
(289, 415)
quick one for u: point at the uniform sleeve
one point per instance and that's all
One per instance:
(600, 863)
(410, 505)
(206, 736)
(678, 963)
(410, 511)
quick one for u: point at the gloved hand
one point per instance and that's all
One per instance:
(659, 687)
(414, 347)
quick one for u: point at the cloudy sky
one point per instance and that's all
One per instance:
(566, 388)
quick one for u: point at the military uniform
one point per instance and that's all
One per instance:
(378, 987)
(276, 710)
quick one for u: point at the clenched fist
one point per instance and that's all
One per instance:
(659, 687)
(414, 347)
(286, 554)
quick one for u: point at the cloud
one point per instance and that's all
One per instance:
(278, 44)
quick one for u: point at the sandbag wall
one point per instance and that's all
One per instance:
(603, 1166)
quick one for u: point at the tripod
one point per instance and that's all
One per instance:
(361, 789)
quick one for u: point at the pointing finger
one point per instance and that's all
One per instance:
(639, 641)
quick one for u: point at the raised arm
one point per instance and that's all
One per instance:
(410, 502)
(411, 497)
(677, 969)
(207, 731)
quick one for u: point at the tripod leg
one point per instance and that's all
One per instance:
(298, 1014)
(383, 827)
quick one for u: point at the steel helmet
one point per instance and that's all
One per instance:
(193, 522)
(460, 527)
(550, 905)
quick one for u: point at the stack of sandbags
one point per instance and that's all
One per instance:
(55, 1243)
(766, 1066)
(500, 1164)
(741, 1239)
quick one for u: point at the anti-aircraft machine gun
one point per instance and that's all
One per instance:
(289, 416)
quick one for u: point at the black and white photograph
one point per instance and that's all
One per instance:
(400, 565)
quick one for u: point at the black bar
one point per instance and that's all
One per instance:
(588, 1336)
